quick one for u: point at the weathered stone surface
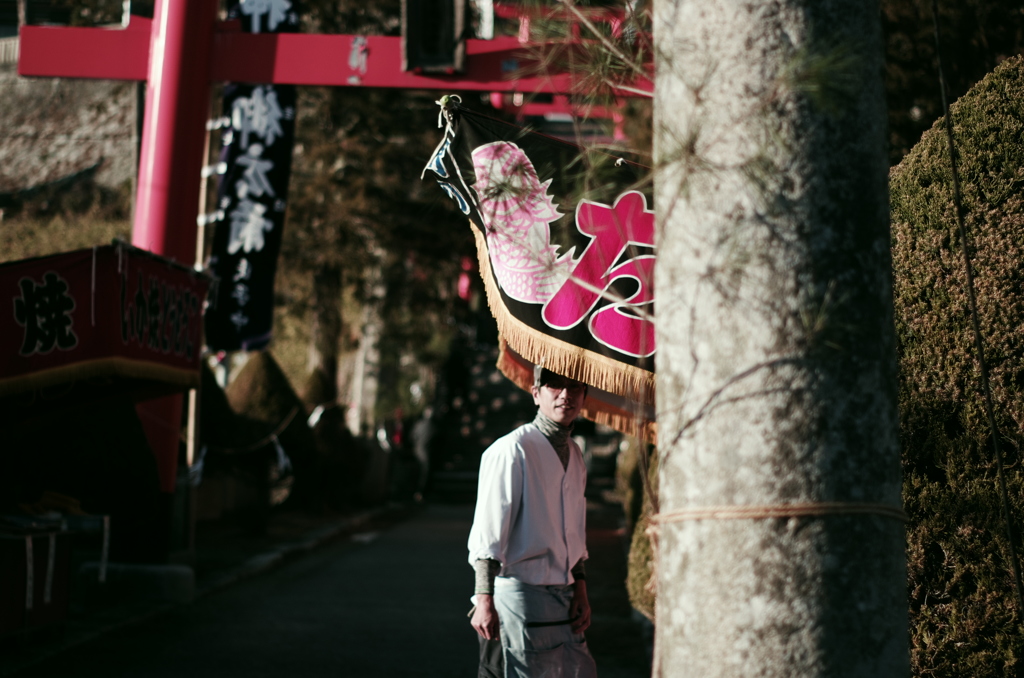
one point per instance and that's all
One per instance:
(54, 128)
(776, 366)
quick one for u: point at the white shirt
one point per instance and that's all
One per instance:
(531, 515)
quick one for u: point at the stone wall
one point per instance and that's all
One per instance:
(53, 128)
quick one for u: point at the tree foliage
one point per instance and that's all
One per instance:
(356, 201)
(976, 36)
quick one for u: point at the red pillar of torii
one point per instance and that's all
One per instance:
(166, 201)
(179, 53)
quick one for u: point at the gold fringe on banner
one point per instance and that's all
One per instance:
(569, 360)
(557, 355)
(594, 408)
(630, 423)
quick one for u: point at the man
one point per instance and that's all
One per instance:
(528, 541)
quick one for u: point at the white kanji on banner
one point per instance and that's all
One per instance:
(258, 115)
(255, 175)
(248, 224)
(276, 11)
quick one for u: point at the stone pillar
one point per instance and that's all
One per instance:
(781, 542)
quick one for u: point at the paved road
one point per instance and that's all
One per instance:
(391, 602)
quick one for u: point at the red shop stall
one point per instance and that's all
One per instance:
(88, 339)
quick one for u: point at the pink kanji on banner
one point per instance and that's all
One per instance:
(612, 229)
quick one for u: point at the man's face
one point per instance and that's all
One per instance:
(560, 399)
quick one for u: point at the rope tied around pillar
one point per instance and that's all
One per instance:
(760, 512)
(753, 512)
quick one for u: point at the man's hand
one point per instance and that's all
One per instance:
(579, 608)
(485, 618)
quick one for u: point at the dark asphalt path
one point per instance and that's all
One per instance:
(388, 602)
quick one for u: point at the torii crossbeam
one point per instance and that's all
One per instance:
(281, 58)
(184, 49)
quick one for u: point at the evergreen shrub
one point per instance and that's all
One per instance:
(641, 560)
(964, 619)
(627, 481)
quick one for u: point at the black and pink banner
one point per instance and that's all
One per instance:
(252, 195)
(565, 238)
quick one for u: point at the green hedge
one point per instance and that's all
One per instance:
(963, 617)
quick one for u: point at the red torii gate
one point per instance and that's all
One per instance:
(179, 53)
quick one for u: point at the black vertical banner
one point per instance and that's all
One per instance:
(252, 194)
